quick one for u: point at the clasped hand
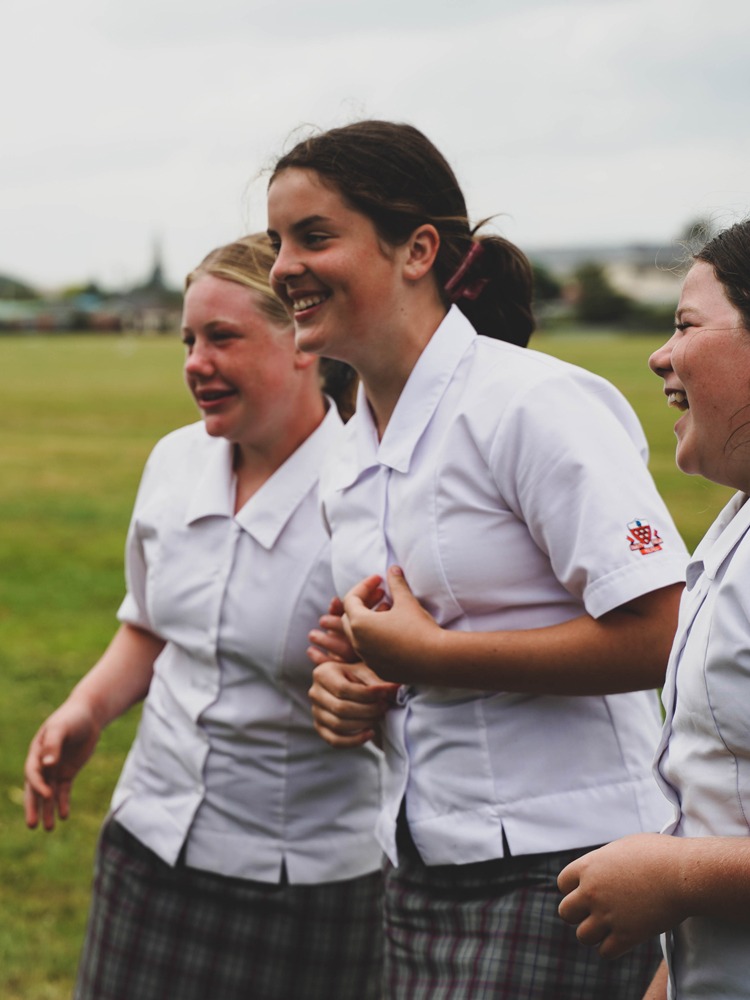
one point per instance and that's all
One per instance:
(365, 647)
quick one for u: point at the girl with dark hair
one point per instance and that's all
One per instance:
(695, 884)
(512, 490)
(238, 858)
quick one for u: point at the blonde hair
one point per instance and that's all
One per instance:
(247, 261)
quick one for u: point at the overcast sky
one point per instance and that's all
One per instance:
(127, 122)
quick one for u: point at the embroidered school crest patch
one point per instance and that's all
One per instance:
(643, 538)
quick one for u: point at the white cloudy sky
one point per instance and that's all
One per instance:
(580, 121)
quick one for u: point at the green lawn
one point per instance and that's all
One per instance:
(79, 415)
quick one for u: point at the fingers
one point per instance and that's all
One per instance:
(353, 682)
(336, 607)
(46, 793)
(336, 739)
(569, 878)
(343, 725)
(38, 791)
(38, 806)
(333, 623)
(353, 686)
(317, 656)
(63, 799)
(48, 812)
(367, 593)
(573, 909)
(30, 806)
(591, 932)
(348, 701)
(332, 636)
(336, 645)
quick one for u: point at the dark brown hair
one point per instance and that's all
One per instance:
(395, 176)
(248, 261)
(729, 256)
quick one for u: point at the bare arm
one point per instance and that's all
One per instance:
(624, 650)
(66, 740)
(648, 883)
(657, 989)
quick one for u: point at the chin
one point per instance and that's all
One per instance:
(309, 345)
(214, 428)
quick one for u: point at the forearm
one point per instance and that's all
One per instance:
(121, 677)
(648, 883)
(624, 650)
(713, 877)
(621, 651)
(657, 989)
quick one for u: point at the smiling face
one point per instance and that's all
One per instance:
(344, 285)
(241, 368)
(706, 371)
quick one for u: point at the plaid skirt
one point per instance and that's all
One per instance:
(491, 930)
(161, 933)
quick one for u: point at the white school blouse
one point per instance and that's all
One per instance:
(512, 489)
(703, 760)
(226, 761)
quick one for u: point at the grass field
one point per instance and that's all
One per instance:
(79, 415)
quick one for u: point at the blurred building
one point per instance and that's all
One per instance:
(149, 307)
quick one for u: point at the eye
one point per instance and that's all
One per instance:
(316, 239)
(222, 336)
(275, 245)
(682, 326)
(188, 340)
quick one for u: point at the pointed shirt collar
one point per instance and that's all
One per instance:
(414, 410)
(720, 539)
(269, 509)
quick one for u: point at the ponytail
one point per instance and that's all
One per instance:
(493, 288)
(394, 175)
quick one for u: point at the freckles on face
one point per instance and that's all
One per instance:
(331, 268)
(706, 370)
(240, 366)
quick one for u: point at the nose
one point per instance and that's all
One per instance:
(287, 265)
(660, 361)
(198, 361)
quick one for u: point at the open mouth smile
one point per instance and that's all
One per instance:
(306, 302)
(207, 397)
(678, 399)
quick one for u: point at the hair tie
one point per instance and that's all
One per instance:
(461, 285)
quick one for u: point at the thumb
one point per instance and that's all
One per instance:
(360, 673)
(50, 746)
(400, 589)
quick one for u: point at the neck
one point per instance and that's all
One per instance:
(385, 374)
(256, 462)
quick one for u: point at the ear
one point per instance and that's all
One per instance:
(421, 248)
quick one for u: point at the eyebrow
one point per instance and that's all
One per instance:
(212, 325)
(688, 307)
(309, 220)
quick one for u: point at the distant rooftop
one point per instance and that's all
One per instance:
(563, 261)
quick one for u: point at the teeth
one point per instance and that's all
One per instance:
(313, 300)
(678, 398)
